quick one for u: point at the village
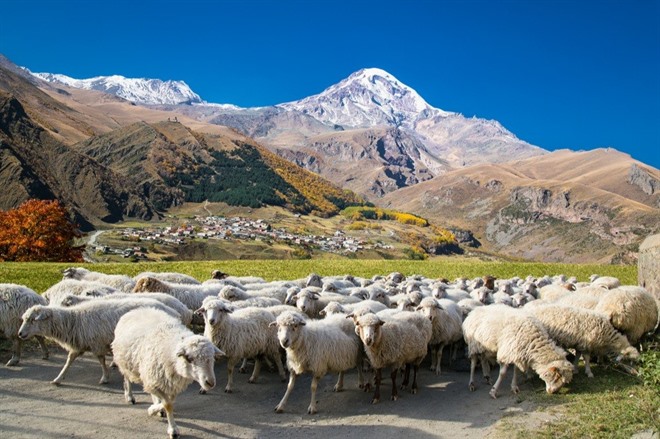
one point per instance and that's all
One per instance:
(223, 228)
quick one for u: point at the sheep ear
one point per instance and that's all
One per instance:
(219, 353)
(381, 323)
(42, 315)
(322, 312)
(351, 315)
(553, 369)
(272, 324)
(182, 353)
(419, 308)
(302, 323)
(315, 297)
(199, 312)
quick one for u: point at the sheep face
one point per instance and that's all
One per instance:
(230, 293)
(71, 300)
(148, 285)
(287, 334)
(367, 328)
(217, 274)
(332, 308)
(74, 273)
(291, 296)
(629, 353)
(556, 375)
(195, 360)
(214, 312)
(33, 319)
(305, 302)
(439, 291)
(380, 296)
(314, 280)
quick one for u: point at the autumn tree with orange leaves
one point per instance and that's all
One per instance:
(38, 230)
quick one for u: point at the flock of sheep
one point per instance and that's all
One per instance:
(325, 325)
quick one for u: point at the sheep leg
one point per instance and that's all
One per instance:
(473, 367)
(500, 378)
(514, 382)
(360, 365)
(15, 352)
(231, 362)
(485, 369)
(69, 359)
(157, 407)
(413, 390)
(587, 365)
(292, 382)
(243, 368)
(440, 349)
(576, 361)
(377, 379)
(280, 368)
(172, 429)
(406, 377)
(395, 392)
(128, 391)
(256, 370)
(106, 371)
(312, 404)
(44, 348)
(434, 357)
(340, 383)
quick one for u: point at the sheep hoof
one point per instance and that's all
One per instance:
(487, 379)
(472, 387)
(493, 393)
(202, 392)
(56, 383)
(252, 381)
(311, 410)
(132, 400)
(174, 434)
(395, 397)
(515, 390)
(279, 409)
(367, 387)
(590, 375)
(242, 370)
(337, 389)
(103, 381)
(228, 390)
(413, 390)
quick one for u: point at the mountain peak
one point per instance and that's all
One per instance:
(368, 97)
(138, 90)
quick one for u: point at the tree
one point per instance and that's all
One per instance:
(38, 230)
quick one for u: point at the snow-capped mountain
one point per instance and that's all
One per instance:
(138, 90)
(367, 98)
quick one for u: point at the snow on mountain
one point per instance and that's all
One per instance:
(137, 90)
(367, 98)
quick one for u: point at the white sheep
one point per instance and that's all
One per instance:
(66, 287)
(467, 305)
(87, 327)
(311, 303)
(586, 331)
(242, 333)
(608, 282)
(154, 349)
(401, 340)
(233, 294)
(514, 337)
(555, 291)
(631, 309)
(119, 281)
(446, 322)
(190, 295)
(579, 299)
(173, 277)
(317, 347)
(333, 308)
(184, 312)
(14, 301)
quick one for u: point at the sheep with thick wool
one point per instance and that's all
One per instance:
(631, 309)
(514, 337)
(241, 333)
(446, 322)
(185, 314)
(588, 332)
(85, 288)
(154, 349)
(88, 327)
(311, 302)
(232, 294)
(118, 281)
(315, 346)
(14, 301)
(172, 277)
(396, 342)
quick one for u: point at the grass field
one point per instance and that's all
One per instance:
(40, 276)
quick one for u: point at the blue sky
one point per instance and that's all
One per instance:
(559, 74)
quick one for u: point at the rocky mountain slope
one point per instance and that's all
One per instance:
(35, 165)
(564, 206)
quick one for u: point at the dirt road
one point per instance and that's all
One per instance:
(31, 407)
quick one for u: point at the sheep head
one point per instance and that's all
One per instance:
(217, 274)
(149, 285)
(195, 360)
(32, 321)
(74, 273)
(367, 327)
(556, 374)
(289, 325)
